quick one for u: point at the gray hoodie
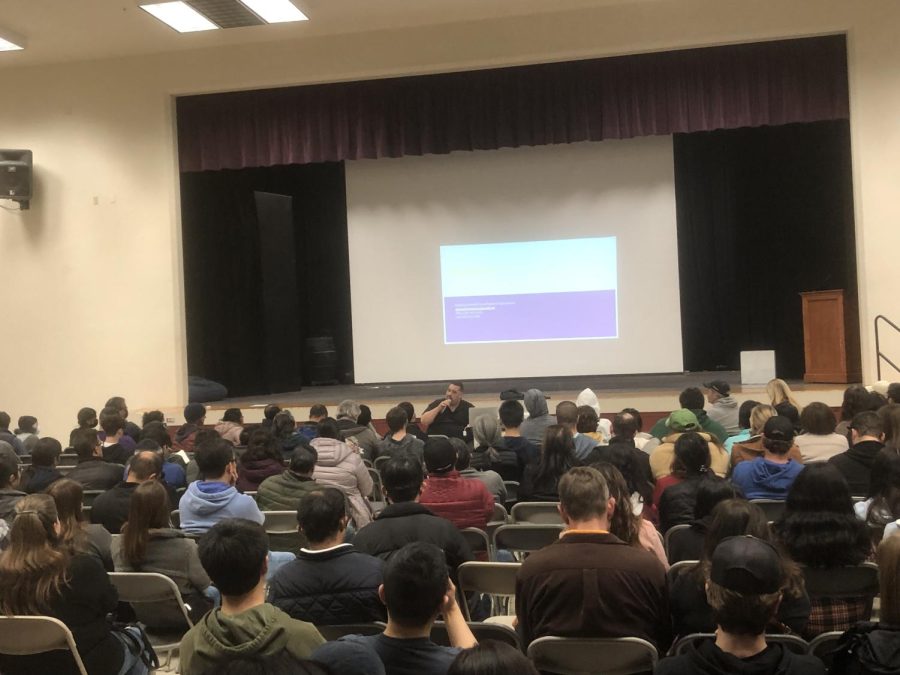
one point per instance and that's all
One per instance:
(538, 417)
(725, 412)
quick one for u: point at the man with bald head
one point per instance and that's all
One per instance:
(110, 509)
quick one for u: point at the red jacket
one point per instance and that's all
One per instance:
(464, 502)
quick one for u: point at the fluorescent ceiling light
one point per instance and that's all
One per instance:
(180, 16)
(10, 42)
(275, 11)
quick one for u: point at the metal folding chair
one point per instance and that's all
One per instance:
(537, 513)
(583, 656)
(28, 635)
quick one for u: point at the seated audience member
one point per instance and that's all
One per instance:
(875, 647)
(678, 423)
(687, 544)
(10, 494)
(330, 582)
(150, 544)
(623, 453)
(628, 595)
(539, 417)
(448, 416)
(284, 429)
(174, 464)
(354, 429)
(405, 520)
(8, 436)
(790, 411)
(111, 508)
(317, 413)
(744, 586)
(6, 450)
(587, 398)
(74, 532)
(856, 400)
(744, 423)
(723, 408)
(259, 461)
(492, 658)
(113, 427)
(540, 480)
(492, 480)
(588, 424)
(284, 491)
(40, 577)
(512, 415)
(490, 452)
(398, 439)
(92, 471)
(770, 476)
(269, 413)
(691, 399)
(42, 472)
(890, 425)
(779, 391)
(132, 430)
(866, 442)
(412, 426)
(339, 466)
(882, 506)
(231, 426)
(623, 523)
(691, 613)
(819, 529)
(754, 446)
(214, 497)
(465, 503)
(27, 432)
(691, 467)
(567, 416)
(86, 419)
(234, 554)
(416, 590)
(152, 416)
(641, 438)
(186, 435)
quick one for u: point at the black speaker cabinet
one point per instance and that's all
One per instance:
(15, 176)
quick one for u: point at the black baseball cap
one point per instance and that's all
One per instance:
(779, 428)
(747, 565)
(720, 386)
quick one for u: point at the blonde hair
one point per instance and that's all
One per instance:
(779, 391)
(888, 558)
(759, 416)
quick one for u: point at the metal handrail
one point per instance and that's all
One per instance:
(878, 353)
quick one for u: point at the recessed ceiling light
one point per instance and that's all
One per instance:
(276, 11)
(180, 16)
(10, 42)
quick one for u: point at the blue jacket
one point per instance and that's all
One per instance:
(762, 479)
(206, 503)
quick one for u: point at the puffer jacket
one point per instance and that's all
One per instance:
(676, 505)
(230, 431)
(340, 467)
(330, 587)
(253, 472)
(663, 454)
(284, 491)
(539, 417)
(465, 503)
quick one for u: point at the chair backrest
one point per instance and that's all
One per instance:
(367, 463)
(64, 469)
(493, 578)
(477, 539)
(376, 495)
(24, 635)
(773, 508)
(252, 493)
(793, 643)
(525, 537)
(281, 528)
(512, 491)
(673, 531)
(333, 632)
(499, 515)
(842, 582)
(678, 568)
(579, 656)
(175, 517)
(823, 647)
(380, 462)
(481, 631)
(155, 598)
(67, 458)
(88, 497)
(538, 513)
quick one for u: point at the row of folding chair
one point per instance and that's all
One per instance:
(280, 526)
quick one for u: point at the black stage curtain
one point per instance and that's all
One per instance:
(727, 87)
(223, 270)
(763, 214)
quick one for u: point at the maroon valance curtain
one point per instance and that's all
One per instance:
(746, 85)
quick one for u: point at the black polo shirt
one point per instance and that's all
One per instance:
(449, 422)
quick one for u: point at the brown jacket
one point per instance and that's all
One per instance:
(753, 448)
(592, 584)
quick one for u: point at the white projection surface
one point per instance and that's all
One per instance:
(526, 262)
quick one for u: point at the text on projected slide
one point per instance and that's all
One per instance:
(534, 290)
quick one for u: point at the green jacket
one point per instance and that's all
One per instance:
(284, 491)
(262, 630)
(708, 425)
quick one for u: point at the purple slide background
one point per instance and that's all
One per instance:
(531, 316)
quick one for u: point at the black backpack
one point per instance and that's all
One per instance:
(868, 649)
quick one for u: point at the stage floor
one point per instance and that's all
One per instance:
(652, 392)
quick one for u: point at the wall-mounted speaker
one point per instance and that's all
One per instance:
(15, 176)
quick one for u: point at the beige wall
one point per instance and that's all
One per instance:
(92, 279)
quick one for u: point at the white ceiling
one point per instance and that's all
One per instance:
(67, 30)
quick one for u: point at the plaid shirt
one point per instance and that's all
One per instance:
(828, 614)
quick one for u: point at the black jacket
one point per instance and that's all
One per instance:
(331, 587)
(708, 659)
(687, 544)
(868, 648)
(96, 474)
(500, 458)
(38, 478)
(111, 508)
(408, 522)
(676, 504)
(856, 465)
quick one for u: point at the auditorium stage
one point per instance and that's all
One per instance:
(650, 392)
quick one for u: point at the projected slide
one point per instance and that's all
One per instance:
(534, 290)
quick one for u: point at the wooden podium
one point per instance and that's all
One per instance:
(831, 337)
